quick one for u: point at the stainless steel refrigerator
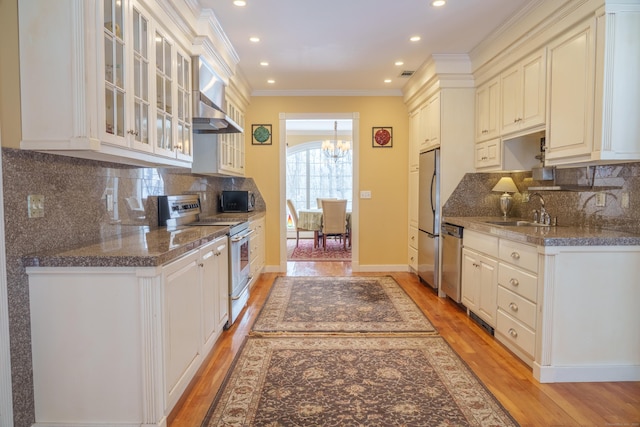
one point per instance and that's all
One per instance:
(429, 217)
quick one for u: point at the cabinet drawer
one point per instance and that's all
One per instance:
(516, 333)
(518, 281)
(480, 242)
(524, 256)
(517, 307)
(413, 258)
(413, 237)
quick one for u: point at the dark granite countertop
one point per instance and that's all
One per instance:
(547, 236)
(142, 247)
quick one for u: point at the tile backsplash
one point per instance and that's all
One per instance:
(75, 212)
(574, 204)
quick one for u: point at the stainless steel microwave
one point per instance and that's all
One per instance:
(237, 201)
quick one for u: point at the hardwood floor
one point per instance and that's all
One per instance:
(509, 379)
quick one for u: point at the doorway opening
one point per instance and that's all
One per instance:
(309, 174)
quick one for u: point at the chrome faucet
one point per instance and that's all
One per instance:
(544, 217)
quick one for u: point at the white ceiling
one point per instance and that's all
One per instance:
(350, 46)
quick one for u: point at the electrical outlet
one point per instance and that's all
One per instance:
(625, 200)
(365, 194)
(35, 205)
(601, 199)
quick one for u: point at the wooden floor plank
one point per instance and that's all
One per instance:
(508, 378)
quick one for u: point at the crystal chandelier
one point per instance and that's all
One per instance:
(336, 149)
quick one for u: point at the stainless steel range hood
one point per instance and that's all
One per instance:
(209, 116)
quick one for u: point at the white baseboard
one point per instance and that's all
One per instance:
(371, 268)
(596, 373)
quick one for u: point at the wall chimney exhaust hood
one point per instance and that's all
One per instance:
(209, 116)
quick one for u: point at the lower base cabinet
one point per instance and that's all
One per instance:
(569, 312)
(119, 345)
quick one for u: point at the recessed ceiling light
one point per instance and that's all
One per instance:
(415, 38)
(254, 39)
(387, 80)
(264, 63)
(399, 63)
(271, 81)
(438, 3)
(240, 3)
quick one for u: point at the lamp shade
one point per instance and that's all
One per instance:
(506, 185)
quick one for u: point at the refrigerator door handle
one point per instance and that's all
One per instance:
(433, 181)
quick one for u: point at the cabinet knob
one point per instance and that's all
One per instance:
(514, 282)
(513, 332)
(513, 306)
(515, 255)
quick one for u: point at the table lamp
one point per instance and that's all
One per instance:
(506, 186)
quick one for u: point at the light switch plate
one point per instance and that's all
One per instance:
(365, 194)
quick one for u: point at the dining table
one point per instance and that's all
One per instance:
(311, 219)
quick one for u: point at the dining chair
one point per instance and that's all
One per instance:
(294, 218)
(319, 200)
(334, 220)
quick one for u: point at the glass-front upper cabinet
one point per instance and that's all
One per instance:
(183, 138)
(164, 99)
(141, 82)
(114, 72)
(120, 87)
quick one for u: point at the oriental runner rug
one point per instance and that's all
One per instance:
(334, 305)
(353, 381)
(306, 252)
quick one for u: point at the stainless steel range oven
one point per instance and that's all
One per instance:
(185, 210)
(239, 268)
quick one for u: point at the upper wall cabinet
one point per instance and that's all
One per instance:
(594, 90)
(430, 123)
(95, 78)
(523, 95)
(488, 110)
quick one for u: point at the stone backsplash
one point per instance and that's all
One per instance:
(75, 193)
(574, 204)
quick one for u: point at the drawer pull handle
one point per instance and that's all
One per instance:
(513, 333)
(514, 282)
(515, 255)
(513, 306)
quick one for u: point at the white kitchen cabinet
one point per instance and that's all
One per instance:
(522, 89)
(430, 123)
(133, 337)
(594, 94)
(88, 82)
(517, 298)
(488, 110)
(256, 248)
(480, 284)
(571, 87)
(556, 304)
(414, 141)
(480, 274)
(214, 276)
(489, 155)
(182, 332)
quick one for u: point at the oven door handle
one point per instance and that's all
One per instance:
(234, 298)
(235, 239)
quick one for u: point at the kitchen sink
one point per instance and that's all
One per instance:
(519, 223)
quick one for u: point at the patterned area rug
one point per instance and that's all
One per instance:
(348, 381)
(340, 304)
(306, 252)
